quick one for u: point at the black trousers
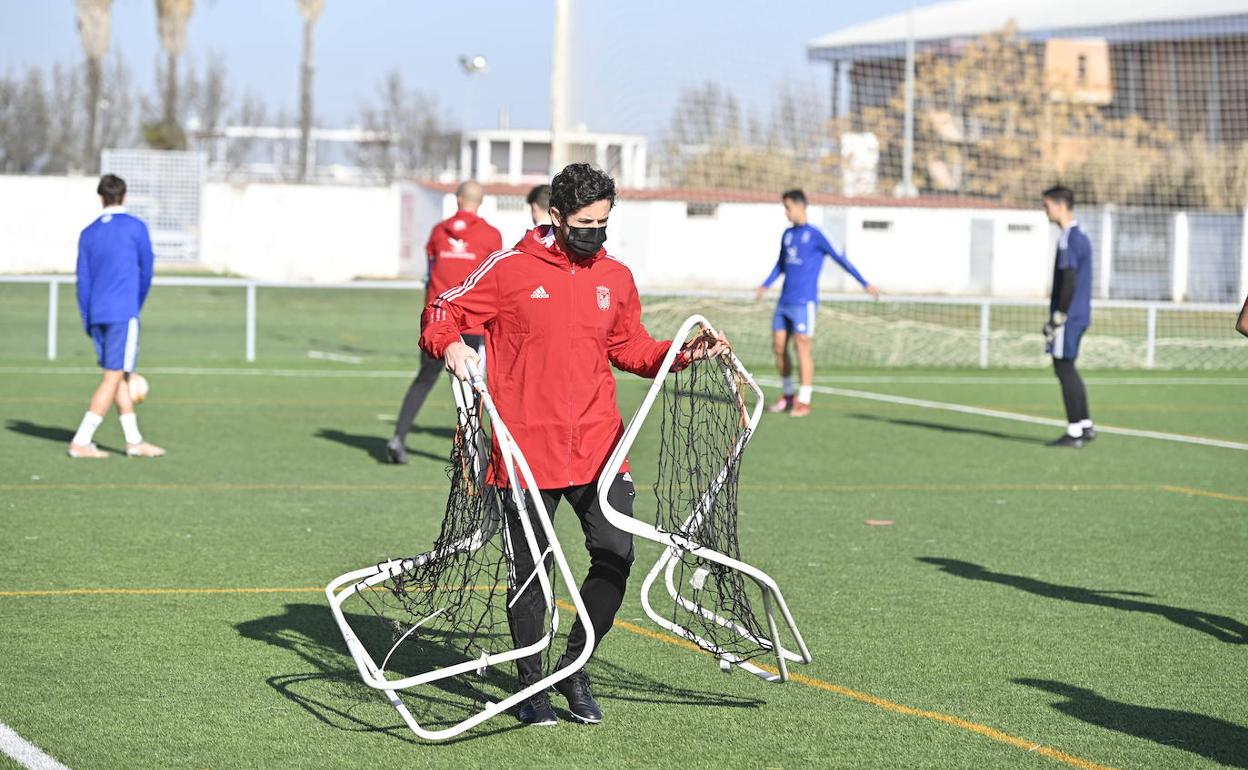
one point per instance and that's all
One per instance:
(1074, 394)
(418, 391)
(610, 560)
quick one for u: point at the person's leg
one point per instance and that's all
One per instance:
(526, 613)
(610, 561)
(80, 445)
(806, 366)
(103, 337)
(1074, 338)
(1072, 393)
(430, 370)
(780, 333)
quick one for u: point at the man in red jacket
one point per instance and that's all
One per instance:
(456, 247)
(558, 312)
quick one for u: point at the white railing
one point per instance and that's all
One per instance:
(248, 285)
(985, 304)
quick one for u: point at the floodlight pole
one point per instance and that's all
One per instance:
(559, 86)
(907, 153)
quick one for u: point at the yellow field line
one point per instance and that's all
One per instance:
(881, 703)
(157, 591)
(922, 487)
(831, 488)
(228, 487)
(1203, 493)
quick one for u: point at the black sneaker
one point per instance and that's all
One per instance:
(537, 711)
(1089, 434)
(580, 700)
(1067, 440)
(396, 452)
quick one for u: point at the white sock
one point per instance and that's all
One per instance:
(1085, 424)
(86, 429)
(130, 427)
(787, 382)
(804, 393)
(1074, 430)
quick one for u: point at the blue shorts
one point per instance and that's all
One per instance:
(1065, 344)
(117, 344)
(798, 318)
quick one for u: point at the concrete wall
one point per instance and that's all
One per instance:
(328, 234)
(40, 218)
(301, 232)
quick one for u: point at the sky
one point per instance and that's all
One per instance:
(630, 58)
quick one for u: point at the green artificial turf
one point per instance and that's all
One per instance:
(1092, 602)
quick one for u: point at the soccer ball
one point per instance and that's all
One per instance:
(138, 387)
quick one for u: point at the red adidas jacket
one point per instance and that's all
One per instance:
(457, 246)
(553, 331)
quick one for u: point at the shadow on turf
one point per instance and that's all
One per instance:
(309, 631)
(49, 432)
(375, 446)
(1220, 627)
(945, 428)
(1216, 739)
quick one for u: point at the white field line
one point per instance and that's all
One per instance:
(226, 372)
(989, 380)
(962, 408)
(856, 379)
(24, 752)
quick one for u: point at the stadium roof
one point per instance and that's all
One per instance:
(1115, 20)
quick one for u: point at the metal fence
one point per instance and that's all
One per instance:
(853, 330)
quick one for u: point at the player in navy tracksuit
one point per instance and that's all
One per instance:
(114, 275)
(1070, 313)
(802, 249)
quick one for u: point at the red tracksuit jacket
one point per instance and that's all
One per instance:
(457, 246)
(553, 329)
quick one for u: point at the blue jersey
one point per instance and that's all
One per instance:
(114, 268)
(802, 249)
(1074, 252)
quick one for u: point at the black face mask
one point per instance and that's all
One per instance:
(584, 242)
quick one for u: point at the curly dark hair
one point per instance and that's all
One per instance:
(579, 185)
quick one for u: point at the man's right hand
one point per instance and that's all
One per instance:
(759, 292)
(456, 356)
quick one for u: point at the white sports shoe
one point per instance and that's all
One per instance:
(91, 451)
(144, 449)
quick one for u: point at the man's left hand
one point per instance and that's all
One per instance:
(706, 346)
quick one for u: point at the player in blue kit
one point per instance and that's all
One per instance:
(802, 249)
(1070, 313)
(114, 275)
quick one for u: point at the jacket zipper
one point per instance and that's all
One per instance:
(571, 359)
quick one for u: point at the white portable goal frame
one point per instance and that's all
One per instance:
(366, 579)
(677, 544)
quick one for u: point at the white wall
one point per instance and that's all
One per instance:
(40, 219)
(333, 233)
(301, 232)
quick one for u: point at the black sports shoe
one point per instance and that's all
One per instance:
(1089, 434)
(396, 452)
(580, 700)
(1067, 440)
(537, 711)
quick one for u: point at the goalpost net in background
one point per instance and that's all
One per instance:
(1143, 113)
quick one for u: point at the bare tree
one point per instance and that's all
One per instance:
(24, 124)
(66, 121)
(172, 17)
(116, 121)
(95, 28)
(311, 11)
(710, 146)
(413, 138)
